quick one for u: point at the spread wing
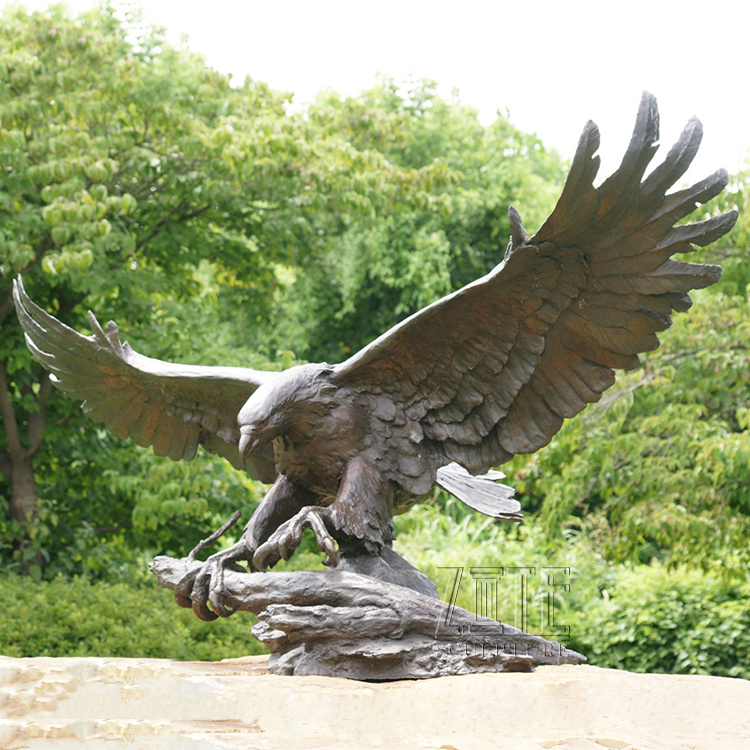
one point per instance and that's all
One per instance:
(173, 408)
(493, 369)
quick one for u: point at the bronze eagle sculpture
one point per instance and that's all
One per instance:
(461, 386)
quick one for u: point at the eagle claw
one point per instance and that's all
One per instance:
(288, 537)
(207, 584)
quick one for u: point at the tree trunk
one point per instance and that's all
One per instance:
(24, 503)
(25, 498)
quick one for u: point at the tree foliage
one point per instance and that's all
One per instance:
(114, 179)
(114, 619)
(666, 621)
(376, 269)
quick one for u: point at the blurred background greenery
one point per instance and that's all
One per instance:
(217, 226)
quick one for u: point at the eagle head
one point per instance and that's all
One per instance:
(284, 405)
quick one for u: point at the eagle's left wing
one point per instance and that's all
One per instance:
(493, 369)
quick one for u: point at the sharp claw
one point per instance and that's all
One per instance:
(259, 558)
(285, 540)
(215, 591)
(200, 595)
(332, 554)
(202, 612)
(208, 585)
(182, 592)
(295, 537)
(215, 598)
(200, 586)
(182, 600)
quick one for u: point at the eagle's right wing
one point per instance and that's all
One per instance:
(172, 407)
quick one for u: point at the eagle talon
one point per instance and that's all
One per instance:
(288, 537)
(261, 554)
(215, 598)
(216, 590)
(202, 612)
(183, 601)
(208, 586)
(332, 554)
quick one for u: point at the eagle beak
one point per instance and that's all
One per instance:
(248, 443)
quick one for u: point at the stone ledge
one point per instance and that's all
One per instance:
(105, 704)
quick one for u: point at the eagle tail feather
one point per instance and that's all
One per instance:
(482, 492)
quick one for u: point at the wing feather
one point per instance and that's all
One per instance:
(493, 369)
(170, 407)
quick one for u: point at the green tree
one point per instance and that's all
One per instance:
(136, 180)
(377, 268)
(117, 166)
(731, 250)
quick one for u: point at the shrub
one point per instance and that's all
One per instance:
(77, 617)
(670, 621)
(642, 618)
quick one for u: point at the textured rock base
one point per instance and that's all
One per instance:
(343, 624)
(111, 704)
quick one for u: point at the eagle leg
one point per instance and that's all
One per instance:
(362, 513)
(281, 503)
(288, 537)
